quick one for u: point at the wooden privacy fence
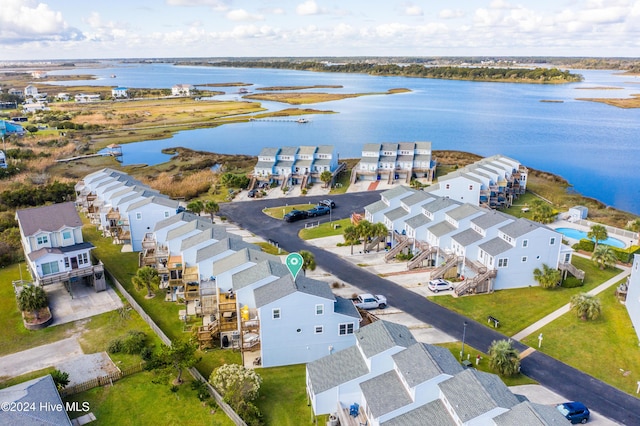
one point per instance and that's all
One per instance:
(235, 418)
(100, 381)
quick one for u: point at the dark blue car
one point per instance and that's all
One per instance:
(576, 412)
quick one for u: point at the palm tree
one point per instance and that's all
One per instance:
(365, 231)
(32, 298)
(308, 261)
(379, 231)
(211, 207)
(604, 256)
(587, 306)
(195, 207)
(597, 233)
(326, 177)
(148, 278)
(542, 212)
(547, 277)
(505, 359)
(351, 236)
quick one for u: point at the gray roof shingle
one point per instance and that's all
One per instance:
(422, 362)
(37, 391)
(285, 286)
(495, 246)
(519, 227)
(376, 207)
(48, 218)
(233, 244)
(463, 211)
(441, 228)
(346, 307)
(466, 237)
(215, 233)
(488, 390)
(417, 221)
(396, 213)
(383, 335)
(398, 191)
(529, 414)
(433, 413)
(247, 255)
(490, 218)
(417, 198)
(259, 272)
(385, 393)
(335, 369)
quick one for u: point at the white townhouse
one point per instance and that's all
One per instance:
(520, 247)
(266, 163)
(302, 320)
(122, 206)
(389, 379)
(54, 248)
(120, 92)
(389, 200)
(295, 165)
(394, 219)
(182, 90)
(632, 302)
(206, 256)
(490, 182)
(396, 161)
(487, 250)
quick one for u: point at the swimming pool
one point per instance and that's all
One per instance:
(578, 235)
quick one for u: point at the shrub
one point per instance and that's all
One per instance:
(115, 346)
(236, 383)
(146, 353)
(584, 245)
(60, 378)
(134, 342)
(572, 282)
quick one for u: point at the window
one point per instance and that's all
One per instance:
(525, 243)
(552, 241)
(346, 328)
(66, 262)
(470, 187)
(43, 239)
(66, 235)
(319, 329)
(320, 309)
(275, 313)
(83, 259)
(524, 259)
(138, 216)
(447, 186)
(167, 214)
(502, 263)
(50, 268)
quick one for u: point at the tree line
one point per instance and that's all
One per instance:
(538, 75)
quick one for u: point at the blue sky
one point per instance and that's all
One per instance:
(73, 29)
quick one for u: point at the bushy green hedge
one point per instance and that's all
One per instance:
(572, 282)
(624, 255)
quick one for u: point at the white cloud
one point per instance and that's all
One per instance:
(309, 7)
(413, 10)
(500, 4)
(241, 15)
(23, 20)
(451, 13)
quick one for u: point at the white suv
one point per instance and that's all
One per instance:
(439, 284)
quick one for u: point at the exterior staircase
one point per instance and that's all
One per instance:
(402, 243)
(568, 267)
(449, 262)
(477, 284)
(371, 244)
(416, 261)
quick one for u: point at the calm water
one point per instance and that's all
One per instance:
(578, 235)
(594, 146)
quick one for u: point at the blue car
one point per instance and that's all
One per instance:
(318, 210)
(576, 412)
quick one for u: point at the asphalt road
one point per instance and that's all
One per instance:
(549, 372)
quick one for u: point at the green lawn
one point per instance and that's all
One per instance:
(283, 398)
(455, 348)
(518, 308)
(280, 211)
(271, 249)
(135, 400)
(326, 229)
(15, 337)
(601, 348)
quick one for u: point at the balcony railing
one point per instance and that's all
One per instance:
(67, 275)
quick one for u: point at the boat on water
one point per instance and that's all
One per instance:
(302, 120)
(113, 76)
(243, 91)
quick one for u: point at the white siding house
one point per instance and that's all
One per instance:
(632, 302)
(54, 248)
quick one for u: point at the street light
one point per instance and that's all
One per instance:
(464, 333)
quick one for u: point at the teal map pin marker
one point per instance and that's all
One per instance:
(294, 264)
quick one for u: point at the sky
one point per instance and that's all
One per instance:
(85, 29)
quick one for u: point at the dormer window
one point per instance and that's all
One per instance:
(43, 239)
(66, 235)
